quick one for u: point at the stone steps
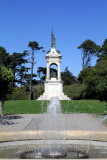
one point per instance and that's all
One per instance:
(61, 96)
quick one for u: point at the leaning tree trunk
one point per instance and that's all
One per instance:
(1, 108)
(30, 87)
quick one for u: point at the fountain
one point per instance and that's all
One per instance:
(53, 127)
(50, 136)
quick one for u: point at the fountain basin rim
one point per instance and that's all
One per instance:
(12, 145)
(68, 135)
(40, 142)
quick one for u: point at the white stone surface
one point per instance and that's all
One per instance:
(53, 57)
(53, 89)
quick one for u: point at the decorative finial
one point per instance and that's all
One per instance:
(53, 43)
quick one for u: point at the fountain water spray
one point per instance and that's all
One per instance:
(54, 136)
(52, 125)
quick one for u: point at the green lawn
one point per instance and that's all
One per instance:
(73, 106)
(84, 106)
(24, 106)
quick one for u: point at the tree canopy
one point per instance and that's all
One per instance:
(89, 50)
(95, 79)
(6, 81)
(103, 51)
(16, 62)
(67, 77)
(4, 57)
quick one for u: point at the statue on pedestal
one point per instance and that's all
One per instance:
(53, 75)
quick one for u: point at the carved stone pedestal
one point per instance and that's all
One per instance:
(53, 88)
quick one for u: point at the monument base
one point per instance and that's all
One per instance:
(53, 88)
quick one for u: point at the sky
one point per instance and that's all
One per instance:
(73, 21)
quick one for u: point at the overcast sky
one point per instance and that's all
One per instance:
(73, 22)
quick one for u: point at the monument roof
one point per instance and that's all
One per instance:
(53, 53)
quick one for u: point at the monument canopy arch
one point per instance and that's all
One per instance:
(54, 70)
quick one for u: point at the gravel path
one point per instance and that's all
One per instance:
(85, 122)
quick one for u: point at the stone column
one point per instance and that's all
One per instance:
(48, 72)
(59, 72)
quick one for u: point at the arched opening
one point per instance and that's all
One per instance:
(53, 71)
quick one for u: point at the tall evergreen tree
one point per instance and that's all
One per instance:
(89, 50)
(4, 57)
(17, 64)
(103, 51)
(34, 48)
(68, 77)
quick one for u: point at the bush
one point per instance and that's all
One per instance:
(39, 89)
(75, 91)
(6, 82)
(19, 93)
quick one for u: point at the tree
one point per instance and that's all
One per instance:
(27, 83)
(4, 57)
(41, 73)
(68, 77)
(95, 79)
(34, 48)
(89, 79)
(84, 74)
(17, 64)
(89, 50)
(6, 82)
(103, 51)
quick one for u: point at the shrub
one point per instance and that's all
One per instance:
(39, 89)
(75, 91)
(19, 93)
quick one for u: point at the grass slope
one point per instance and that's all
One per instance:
(73, 106)
(84, 106)
(24, 106)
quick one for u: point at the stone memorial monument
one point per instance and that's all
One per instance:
(53, 82)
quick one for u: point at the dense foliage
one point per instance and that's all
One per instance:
(18, 93)
(6, 81)
(89, 50)
(68, 78)
(96, 81)
(75, 91)
(103, 51)
(95, 78)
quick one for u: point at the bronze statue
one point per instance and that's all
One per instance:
(53, 43)
(53, 75)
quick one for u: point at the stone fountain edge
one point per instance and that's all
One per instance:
(68, 135)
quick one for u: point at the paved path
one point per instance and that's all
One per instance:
(85, 122)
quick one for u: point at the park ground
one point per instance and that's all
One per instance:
(36, 107)
(78, 114)
(81, 121)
